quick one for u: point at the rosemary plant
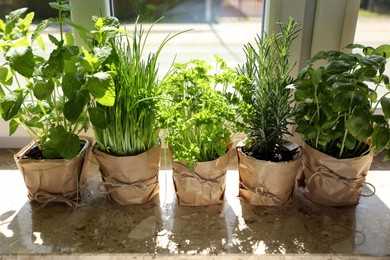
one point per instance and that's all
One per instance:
(131, 127)
(267, 93)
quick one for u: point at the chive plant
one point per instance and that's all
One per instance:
(131, 125)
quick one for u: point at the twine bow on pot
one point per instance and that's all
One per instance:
(355, 183)
(212, 183)
(262, 192)
(115, 185)
(45, 198)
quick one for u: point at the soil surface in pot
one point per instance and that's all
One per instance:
(287, 153)
(35, 153)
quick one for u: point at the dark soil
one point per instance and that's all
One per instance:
(281, 155)
(36, 154)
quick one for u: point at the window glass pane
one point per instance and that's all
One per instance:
(218, 27)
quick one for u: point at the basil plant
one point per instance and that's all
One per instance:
(49, 96)
(338, 101)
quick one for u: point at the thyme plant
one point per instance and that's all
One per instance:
(267, 94)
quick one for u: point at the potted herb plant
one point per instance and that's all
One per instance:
(339, 121)
(267, 162)
(127, 133)
(199, 115)
(40, 94)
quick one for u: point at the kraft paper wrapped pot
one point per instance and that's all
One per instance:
(267, 183)
(204, 185)
(130, 179)
(55, 180)
(333, 182)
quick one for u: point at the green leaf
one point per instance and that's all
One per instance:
(12, 19)
(101, 86)
(341, 102)
(329, 124)
(385, 103)
(40, 28)
(383, 50)
(43, 89)
(11, 104)
(71, 84)
(13, 126)
(54, 66)
(89, 62)
(22, 60)
(337, 66)
(350, 142)
(343, 87)
(34, 122)
(380, 138)
(61, 144)
(97, 117)
(356, 124)
(54, 40)
(75, 106)
(62, 7)
(70, 51)
(6, 76)
(327, 109)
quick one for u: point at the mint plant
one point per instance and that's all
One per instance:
(49, 97)
(338, 102)
(198, 111)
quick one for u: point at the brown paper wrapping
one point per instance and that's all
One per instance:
(267, 183)
(130, 179)
(333, 182)
(55, 180)
(204, 185)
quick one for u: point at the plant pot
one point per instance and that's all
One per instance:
(267, 183)
(204, 185)
(130, 179)
(330, 181)
(55, 180)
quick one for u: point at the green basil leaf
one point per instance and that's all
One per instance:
(380, 138)
(341, 102)
(385, 103)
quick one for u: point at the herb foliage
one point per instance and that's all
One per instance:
(52, 94)
(198, 111)
(131, 125)
(338, 102)
(269, 110)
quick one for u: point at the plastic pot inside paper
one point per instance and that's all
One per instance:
(267, 183)
(54, 180)
(130, 179)
(203, 185)
(333, 182)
